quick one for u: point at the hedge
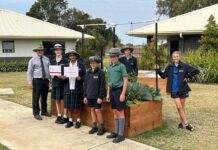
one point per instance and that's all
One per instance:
(13, 66)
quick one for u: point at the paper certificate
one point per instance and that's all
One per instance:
(55, 70)
(71, 72)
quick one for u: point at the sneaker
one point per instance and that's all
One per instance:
(112, 135)
(69, 124)
(101, 131)
(93, 130)
(118, 139)
(58, 119)
(38, 117)
(64, 120)
(180, 126)
(189, 127)
(77, 125)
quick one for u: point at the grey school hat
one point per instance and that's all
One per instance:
(114, 52)
(94, 58)
(73, 51)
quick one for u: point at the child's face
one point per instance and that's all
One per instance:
(58, 52)
(176, 58)
(127, 52)
(73, 57)
(114, 59)
(93, 64)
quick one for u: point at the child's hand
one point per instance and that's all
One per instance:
(157, 66)
(122, 97)
(52, 77)
(85, 100)
(108, 98)
(63, 77)
(78, 78)
(99, 100)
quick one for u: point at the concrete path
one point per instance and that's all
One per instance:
(19, 131)
(6, 91)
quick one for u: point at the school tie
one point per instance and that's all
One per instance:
(43, 68)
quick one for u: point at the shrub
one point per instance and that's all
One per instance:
(16, 66)
(206, 62)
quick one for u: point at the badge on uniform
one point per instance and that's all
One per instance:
(181, 70)
(95, 77)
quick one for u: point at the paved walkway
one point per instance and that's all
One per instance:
(19, 131)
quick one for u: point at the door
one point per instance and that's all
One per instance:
(174, 46)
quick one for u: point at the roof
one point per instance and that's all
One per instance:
(190, 23)
(19, 26)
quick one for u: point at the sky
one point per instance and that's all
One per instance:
(112, 11)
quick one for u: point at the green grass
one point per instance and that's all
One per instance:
(202, 112)
(2, 147)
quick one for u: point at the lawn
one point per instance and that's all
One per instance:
(202, 111)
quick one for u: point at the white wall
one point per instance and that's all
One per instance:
(24, 48)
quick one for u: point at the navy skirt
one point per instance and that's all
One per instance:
(73, 101)
(57, 93)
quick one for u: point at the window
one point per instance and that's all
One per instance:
(8, 47)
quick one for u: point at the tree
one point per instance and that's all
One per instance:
(209, 40)
(57, 12)
(173, 8)
(48, 10)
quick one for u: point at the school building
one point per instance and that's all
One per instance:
(20, 34)
(182, 32)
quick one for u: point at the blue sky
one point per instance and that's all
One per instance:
(112, 11)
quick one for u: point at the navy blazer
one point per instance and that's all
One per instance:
(185, 71)
(131, 64)
(79, 83)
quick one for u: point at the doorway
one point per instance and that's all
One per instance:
(48, 45)
(174, 46)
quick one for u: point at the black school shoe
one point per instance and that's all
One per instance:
(189, 127)
(64, 120)
(77, 125)
(58, 119)
(118, 139)
(112, 135)
(93, 130)
(69, 124)
(180, 126)
(38, 117)
(46, 114)
(101, 131)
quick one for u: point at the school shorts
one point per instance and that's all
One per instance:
(179, 95)
(115, 99)
(93, 104)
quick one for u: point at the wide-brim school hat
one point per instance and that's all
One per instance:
(127, 48)
(114, 52)
(39, 49)
(73, 51)
(58, 46)
(95, 59)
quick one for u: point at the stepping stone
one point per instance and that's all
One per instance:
(6, 91)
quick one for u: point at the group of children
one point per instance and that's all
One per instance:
(90, 88)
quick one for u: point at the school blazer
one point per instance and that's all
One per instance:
(185, 71)
(79, 83)
(131, 64)
(94, 84)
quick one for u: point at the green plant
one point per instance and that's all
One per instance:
(137, 92)
(16, 66)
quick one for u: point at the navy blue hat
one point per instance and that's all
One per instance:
(94, 58)
(58, 46)
(127, 48)
(73, 51)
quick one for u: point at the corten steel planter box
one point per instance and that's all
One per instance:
(139, 118)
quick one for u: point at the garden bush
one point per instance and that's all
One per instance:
(13, 66)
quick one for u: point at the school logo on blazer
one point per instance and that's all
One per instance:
(181, 70)
(95, 77)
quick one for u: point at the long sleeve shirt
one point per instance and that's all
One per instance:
(35, 69)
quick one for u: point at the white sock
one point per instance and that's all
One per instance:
(71, 119)
(65, 116)
(78, 120)
(59, 115)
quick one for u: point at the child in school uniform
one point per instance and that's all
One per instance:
(94, 92)
(177, 74)
(117, 85)
(73, 89)
(58, 84)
